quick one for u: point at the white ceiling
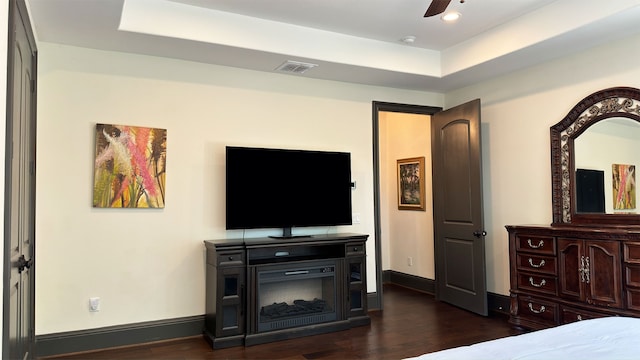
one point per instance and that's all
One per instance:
(350, 40)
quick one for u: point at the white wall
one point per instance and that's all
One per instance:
(517, 112)
(405, 233)
(149, 264)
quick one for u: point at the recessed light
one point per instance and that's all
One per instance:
(408, 39)
(450, 16)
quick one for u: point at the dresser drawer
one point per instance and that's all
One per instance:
(537, 310)
(632, 252)
(536, 244)
(632, 275)
(633, 299)
(569, 315)
(536, 263)
(539, 283)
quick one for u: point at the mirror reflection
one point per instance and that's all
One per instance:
(605, 156)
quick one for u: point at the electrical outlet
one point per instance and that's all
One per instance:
(94, 304)
(410, 261)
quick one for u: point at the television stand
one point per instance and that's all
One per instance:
(254, 285)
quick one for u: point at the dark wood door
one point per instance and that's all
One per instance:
(570, 262)
(19, 302)
(603, 273)
(457, 200)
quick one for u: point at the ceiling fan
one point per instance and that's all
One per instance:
(438, 7)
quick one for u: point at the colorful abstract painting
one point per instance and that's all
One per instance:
(624, 186)
(129, 167)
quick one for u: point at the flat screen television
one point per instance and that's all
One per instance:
(282, 188)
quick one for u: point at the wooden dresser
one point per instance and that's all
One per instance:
(565, 274)
(586, 264)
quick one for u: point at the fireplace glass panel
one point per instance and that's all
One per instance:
(297, 296)
(229, 317)
(230, 286)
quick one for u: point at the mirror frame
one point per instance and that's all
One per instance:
(604, 104)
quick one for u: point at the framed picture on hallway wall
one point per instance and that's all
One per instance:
(411, 194)
(129, 167)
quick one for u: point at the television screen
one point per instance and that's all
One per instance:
(278, 188)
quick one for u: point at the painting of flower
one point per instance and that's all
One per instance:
(624, 186)
(129, 167)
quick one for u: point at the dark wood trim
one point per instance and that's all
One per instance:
(496, 303)
(410, 281)
(378, 106)
(117, 336)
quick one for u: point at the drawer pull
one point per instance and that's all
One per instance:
(579, 317)
(541, 264)
(540, 244)
(542, 309)
(542, 283)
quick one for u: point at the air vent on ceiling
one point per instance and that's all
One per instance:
(295, 67)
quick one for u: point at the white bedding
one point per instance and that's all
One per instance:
(605, 338)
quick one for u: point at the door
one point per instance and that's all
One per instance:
(19, 281)
(457, 199)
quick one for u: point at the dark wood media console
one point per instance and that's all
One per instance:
(266, 289)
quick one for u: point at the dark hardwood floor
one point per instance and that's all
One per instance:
(411, 324)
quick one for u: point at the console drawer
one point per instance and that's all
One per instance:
(230, 258)
(356, 248)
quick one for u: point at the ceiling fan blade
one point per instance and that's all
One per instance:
(437, 7)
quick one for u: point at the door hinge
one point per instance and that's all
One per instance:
(33, 86)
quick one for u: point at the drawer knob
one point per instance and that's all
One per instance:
(230, 258)
(540, 244)
(541, 284)
(539, 311)
(541, 264)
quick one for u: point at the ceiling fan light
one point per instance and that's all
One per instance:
(451, 16)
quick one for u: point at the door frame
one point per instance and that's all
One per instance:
(378, 106)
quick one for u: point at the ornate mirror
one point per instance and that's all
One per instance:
(594, 153)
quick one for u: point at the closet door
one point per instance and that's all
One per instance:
(19, 257)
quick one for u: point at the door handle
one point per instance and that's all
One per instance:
(23, 263)
(479, 233)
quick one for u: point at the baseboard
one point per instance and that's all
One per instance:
(410, 281)
(119, 335)
(495, 302)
